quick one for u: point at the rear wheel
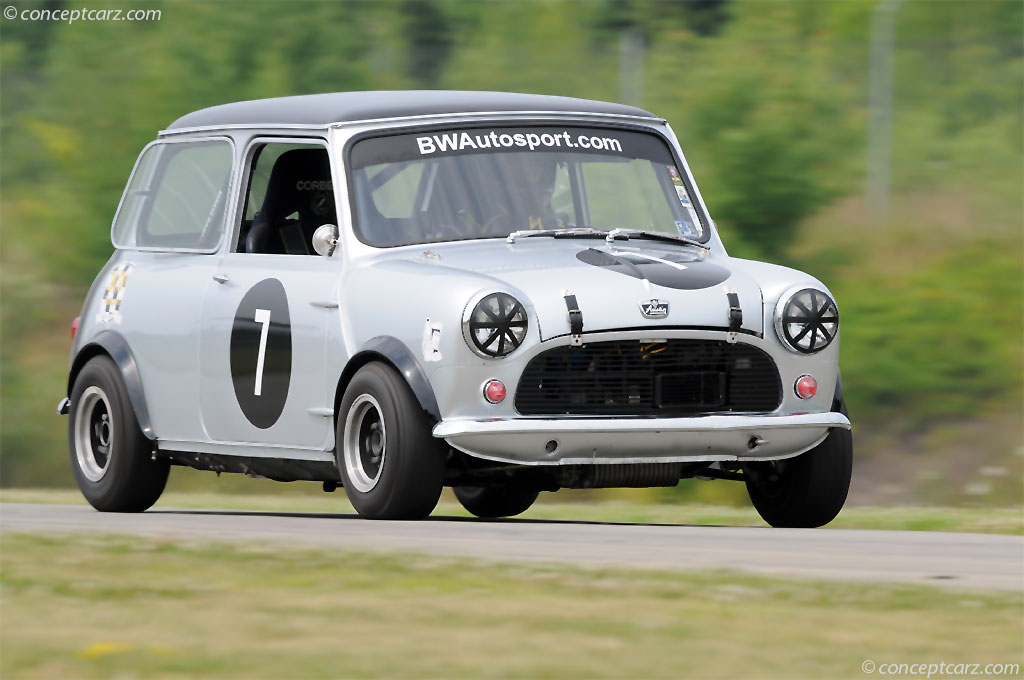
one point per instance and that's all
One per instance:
(110, 457)
(805, 491)
(390, 464)
(496, 501)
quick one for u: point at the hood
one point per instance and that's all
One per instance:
(614, 284)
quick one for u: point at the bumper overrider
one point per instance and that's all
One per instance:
(581, 440)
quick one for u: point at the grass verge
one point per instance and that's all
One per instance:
(970, 520)
(102, 606)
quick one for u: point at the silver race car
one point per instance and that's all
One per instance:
(397, 291)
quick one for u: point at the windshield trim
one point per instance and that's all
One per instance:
(346, 153)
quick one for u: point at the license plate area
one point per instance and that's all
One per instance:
(693, 389)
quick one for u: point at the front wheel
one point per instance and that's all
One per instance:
(391, 466)
(110, 457)
(807, 490)
(496, 501)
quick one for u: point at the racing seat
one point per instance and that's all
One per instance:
(299, 187)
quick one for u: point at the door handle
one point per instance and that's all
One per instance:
(220, 278)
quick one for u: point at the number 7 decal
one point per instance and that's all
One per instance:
(262, 317)
(261, 356)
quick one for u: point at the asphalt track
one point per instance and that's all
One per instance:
(969, 561)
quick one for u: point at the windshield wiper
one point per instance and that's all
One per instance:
(610, 236)
(575, 232)
(655, 235)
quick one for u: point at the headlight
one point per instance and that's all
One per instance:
(806, 320)
(495, 326)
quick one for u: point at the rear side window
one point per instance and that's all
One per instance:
(176, 198)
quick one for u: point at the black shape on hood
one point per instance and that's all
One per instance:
(670, 270)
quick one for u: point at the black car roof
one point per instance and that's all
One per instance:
(337, 107)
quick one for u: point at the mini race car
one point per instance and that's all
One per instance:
(397, 291)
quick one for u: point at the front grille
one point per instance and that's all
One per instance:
(632, 378)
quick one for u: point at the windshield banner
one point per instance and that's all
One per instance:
(620, 143)
(461, 141)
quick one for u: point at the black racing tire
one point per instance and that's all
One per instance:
(805, 491)
(489, 502)
(391, 466)
(110, 457)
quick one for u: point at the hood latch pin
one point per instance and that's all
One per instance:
(575, 318)
(735, 316)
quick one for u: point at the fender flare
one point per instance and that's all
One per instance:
(113, 344)
(838, 403)
(393, 351)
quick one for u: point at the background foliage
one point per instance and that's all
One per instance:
(769, 100)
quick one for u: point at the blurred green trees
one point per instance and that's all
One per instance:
(769, 100)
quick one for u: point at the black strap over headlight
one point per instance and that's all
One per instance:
(807, 321)
(575, 319)
(496, 326)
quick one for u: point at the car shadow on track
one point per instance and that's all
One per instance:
(432, 518)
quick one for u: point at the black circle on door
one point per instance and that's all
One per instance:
(261, 353)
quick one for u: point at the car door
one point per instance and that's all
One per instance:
(268, 305)
(168, 229)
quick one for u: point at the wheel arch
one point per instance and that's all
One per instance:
(113, 345)
(393, 352)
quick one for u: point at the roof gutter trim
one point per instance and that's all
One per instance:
(204, 129)
(470, 115)
(501, 115)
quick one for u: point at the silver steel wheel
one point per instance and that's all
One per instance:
(365, 443)
(94, 433)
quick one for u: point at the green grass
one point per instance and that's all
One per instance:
(99, 607)
(617, 509)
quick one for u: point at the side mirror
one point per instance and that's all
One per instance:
(325, 239)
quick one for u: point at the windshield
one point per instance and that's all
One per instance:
(447, 185)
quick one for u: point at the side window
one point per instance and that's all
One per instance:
(176, 198)
(290, 194)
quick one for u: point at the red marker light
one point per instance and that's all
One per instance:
(494, 391)
(806, 387)
(74, 326)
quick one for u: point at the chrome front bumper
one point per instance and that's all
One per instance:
(576, 440)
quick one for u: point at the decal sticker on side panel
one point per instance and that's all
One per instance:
(261, 353)
(113, 294)
(431, 344)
